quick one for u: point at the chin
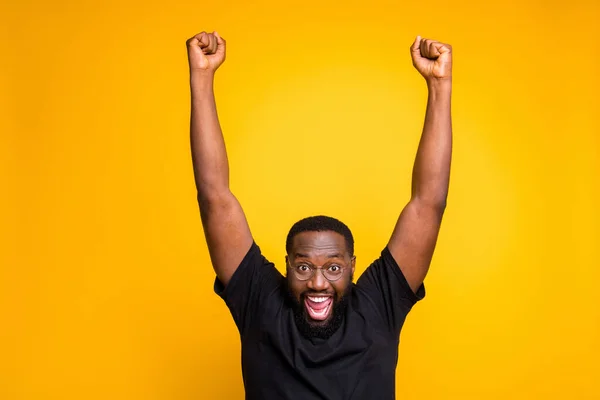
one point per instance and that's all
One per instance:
(323, 329)
(318, 323)
(312, 328)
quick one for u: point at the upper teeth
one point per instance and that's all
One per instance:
(318, 299)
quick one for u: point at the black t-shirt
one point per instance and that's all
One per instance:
(357, 362)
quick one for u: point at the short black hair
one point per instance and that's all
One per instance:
(320, 223)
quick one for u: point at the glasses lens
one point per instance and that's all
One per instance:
(303, 273)
(333, 274)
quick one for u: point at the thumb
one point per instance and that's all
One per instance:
(415, 49)
(220, 41)
(192, 42)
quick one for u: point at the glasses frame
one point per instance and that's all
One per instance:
(314, 269)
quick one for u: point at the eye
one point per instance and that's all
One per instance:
(335, 268)
(303, 268)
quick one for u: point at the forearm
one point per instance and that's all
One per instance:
(209, 156)
(431, 172)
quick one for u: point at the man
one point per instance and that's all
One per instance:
(314, 334)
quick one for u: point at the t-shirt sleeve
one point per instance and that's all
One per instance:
(252, 282)
(388, 291)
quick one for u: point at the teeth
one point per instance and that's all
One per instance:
(318, 299)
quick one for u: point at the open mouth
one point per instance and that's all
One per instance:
(318, 307)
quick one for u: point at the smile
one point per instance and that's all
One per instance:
(318, 307)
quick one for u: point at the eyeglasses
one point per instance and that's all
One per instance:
(304, 272)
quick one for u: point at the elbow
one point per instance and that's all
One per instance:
(210, 196)
(433, 195)
(441, 203)
(439, 207)
(211, 188)
(436, 203)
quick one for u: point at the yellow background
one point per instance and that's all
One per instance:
(105, 280)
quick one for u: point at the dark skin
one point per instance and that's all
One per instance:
(228, 235)
(320, 249)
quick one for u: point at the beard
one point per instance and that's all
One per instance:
(310, 328)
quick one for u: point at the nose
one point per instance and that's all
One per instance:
(318, 282)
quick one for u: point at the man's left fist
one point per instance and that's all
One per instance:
(206, 51)
(432, 59)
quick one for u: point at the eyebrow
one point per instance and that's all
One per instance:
(334, 255)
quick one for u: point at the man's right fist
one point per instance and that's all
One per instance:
(206, 51)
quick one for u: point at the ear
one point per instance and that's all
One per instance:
(353, 263)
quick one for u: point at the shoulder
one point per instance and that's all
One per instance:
(253, 268)
(384, 274)
(251, 288)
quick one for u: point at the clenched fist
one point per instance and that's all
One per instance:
(206, 51)
(432, 59)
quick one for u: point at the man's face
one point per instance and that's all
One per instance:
(318, 297)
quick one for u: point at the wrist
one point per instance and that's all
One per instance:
(201, 82)
(437, 85)
(201, 76)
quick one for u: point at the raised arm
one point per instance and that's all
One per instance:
(225, 227)
(413, 241)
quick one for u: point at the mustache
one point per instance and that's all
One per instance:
(332, 294)
(313, 293)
